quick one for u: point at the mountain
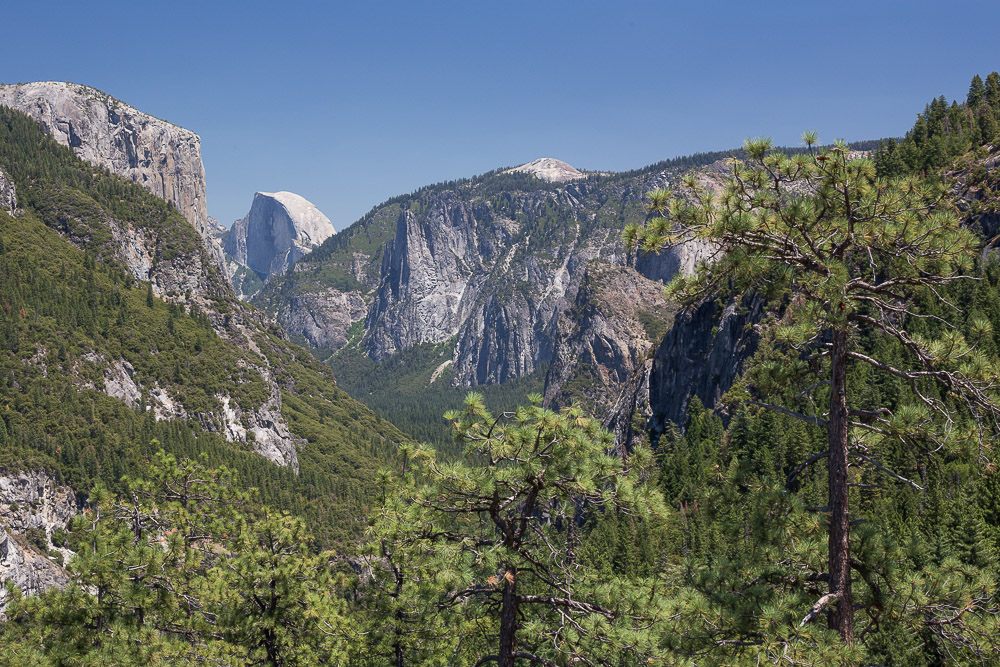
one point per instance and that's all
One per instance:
(161, 157)
(280, 229)
(122, 337)
(549, 169)
(517, 274)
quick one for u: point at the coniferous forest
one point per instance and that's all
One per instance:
(839, 505)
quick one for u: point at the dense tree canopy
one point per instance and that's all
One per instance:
(847, 258)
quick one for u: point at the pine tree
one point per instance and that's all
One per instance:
(489, 548)
(992, 90)
(977, 92)
(840, 251)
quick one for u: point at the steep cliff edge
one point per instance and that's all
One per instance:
(616, 320)
(280, 229)
(702, 354)
(161, 157)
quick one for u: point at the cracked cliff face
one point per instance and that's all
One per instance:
(432, 273)
(262, 427)
(167, 254)
(617, 318)
(161, 157)
(8, 195)
(702, 354)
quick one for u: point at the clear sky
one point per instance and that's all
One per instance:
(350, 103)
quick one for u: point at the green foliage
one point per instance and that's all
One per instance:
(848, 261)
(70, 311)
(184, 567)
(487, 546)
(400, 389)
(943, 132)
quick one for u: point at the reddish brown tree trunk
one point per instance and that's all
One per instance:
(842, 615)
(508, 619)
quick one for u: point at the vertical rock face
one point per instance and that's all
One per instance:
(280, 228)
(163, 158)
(167, 253)
(702, 354)
(8, 196)
(432, 274)
(617, 318)
(325, 318)
(493, 264)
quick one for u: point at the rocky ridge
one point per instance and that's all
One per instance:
(161, 157)
(168, 253)
(550, 169)
(492, 267)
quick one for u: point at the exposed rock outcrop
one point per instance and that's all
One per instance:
(32, 501)
(492, 264)
(8, 195)
(216, 229)
(280, 228)
(119, 382)
(617, 318)
(325, 318)
(551, 170)
(30, 572)
(432, 273)
(264, 428)
(702, 355)
(163, 158)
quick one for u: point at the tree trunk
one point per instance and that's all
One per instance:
(842, 616)
(508, 618)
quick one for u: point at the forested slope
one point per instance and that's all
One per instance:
(193, 370)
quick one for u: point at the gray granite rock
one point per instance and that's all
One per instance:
(161, 157)
(280, 229)
(8, 195)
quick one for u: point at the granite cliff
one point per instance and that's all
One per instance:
(8, 194)
(280, 229)
(195, 355)
(702, 354)
(161, 157)
(32, 509)
(493, 268)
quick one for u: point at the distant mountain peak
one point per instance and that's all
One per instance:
(280, 229)
(551, 170)
(312, 227)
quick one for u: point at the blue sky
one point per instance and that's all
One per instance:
(349, 103)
